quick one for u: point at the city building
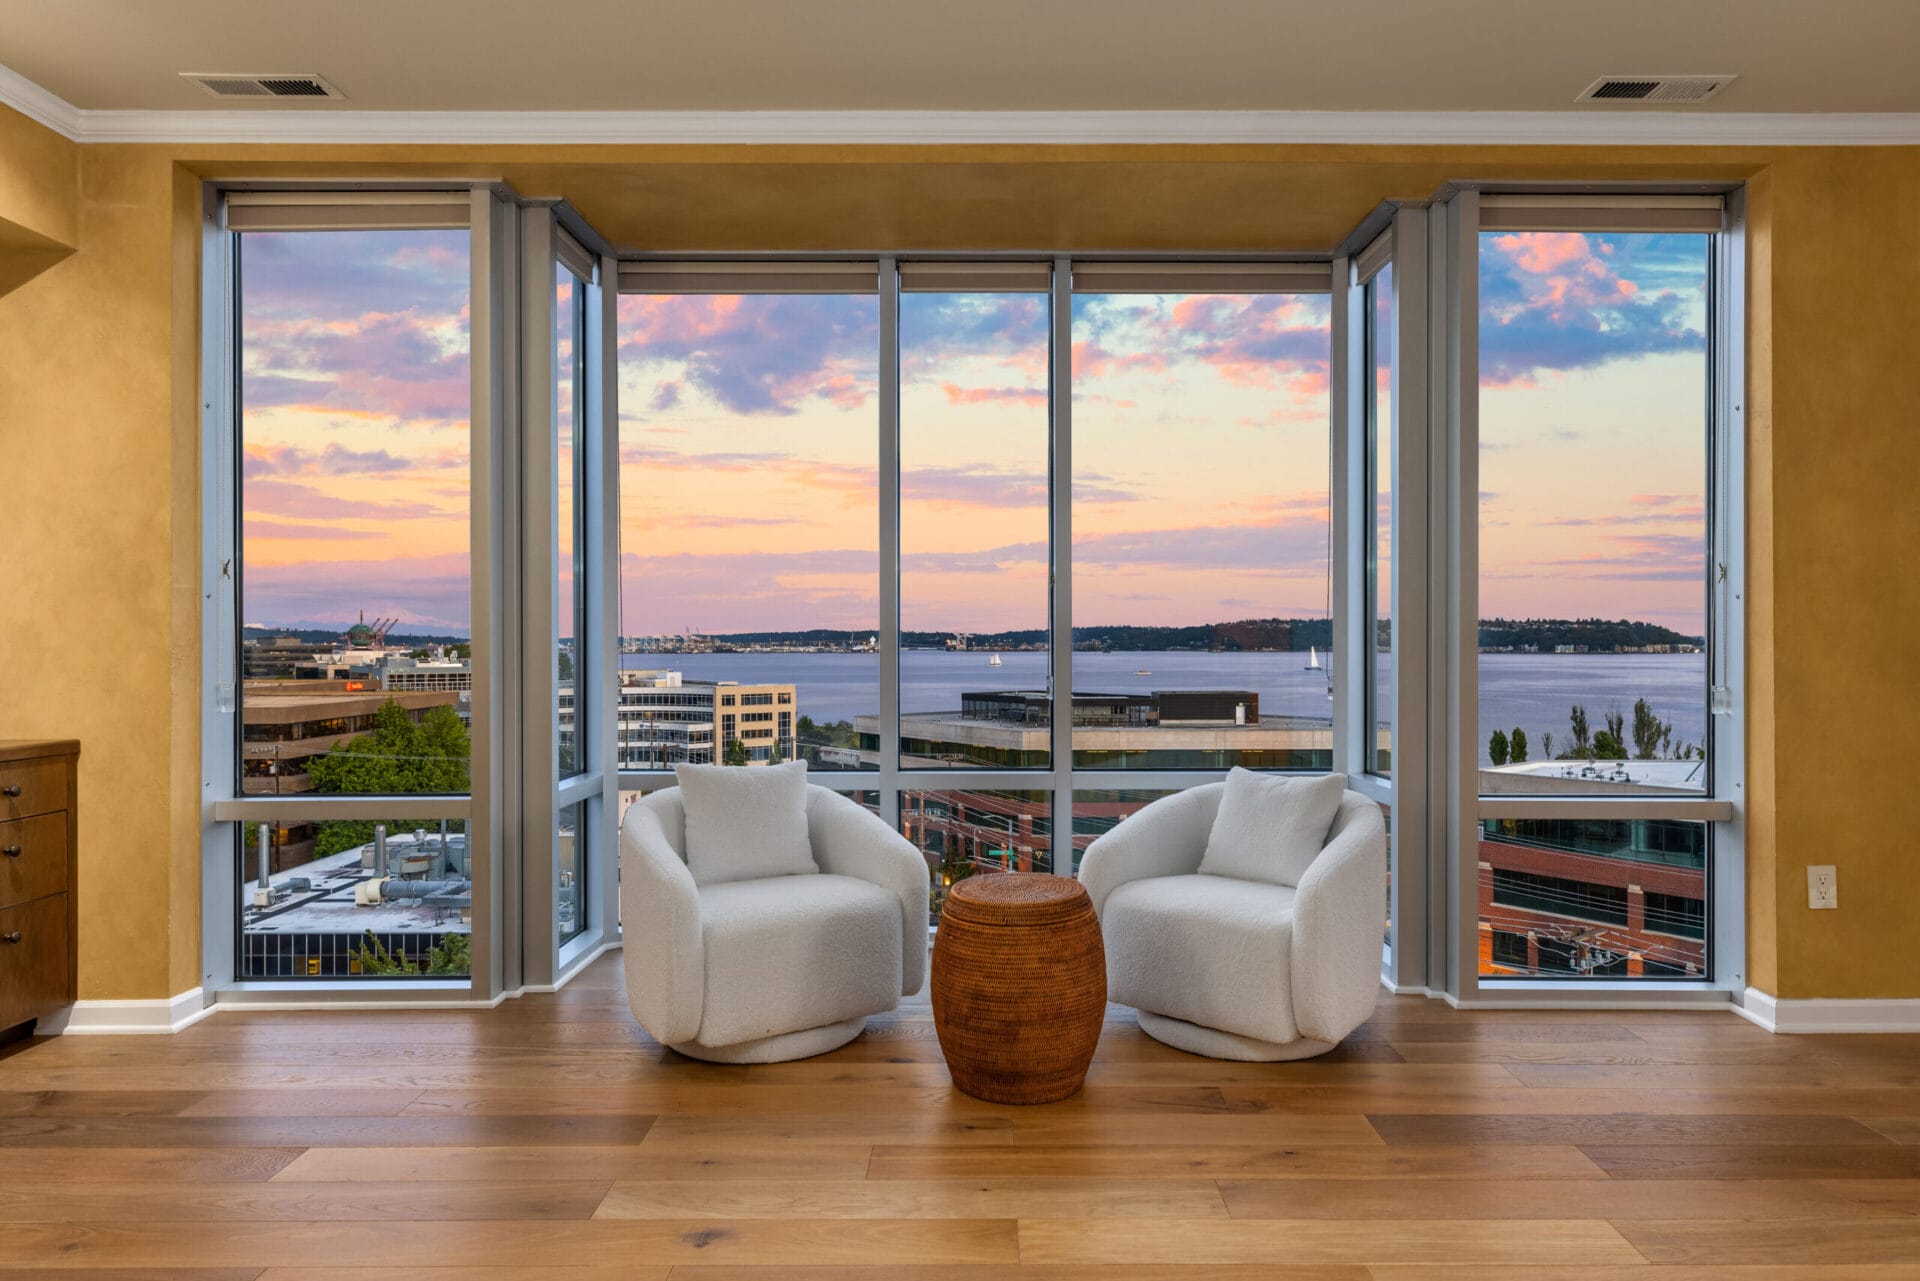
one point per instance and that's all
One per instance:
(1167, 729)
(286, 723)
(665, 721)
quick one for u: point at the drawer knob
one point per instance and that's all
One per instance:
(10, 790)
(11, 936)
(10, 851)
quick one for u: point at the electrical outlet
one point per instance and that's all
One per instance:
(1823, 887)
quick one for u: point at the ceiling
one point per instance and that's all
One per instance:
(1791, 56)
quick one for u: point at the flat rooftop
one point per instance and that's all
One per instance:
(328, 907)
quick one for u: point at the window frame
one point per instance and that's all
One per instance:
(1455, 278)
(482, 211)
(1437, 808)
(1304, 273)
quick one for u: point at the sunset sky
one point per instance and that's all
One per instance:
(749, 429)
(354, 368)
(1593, 394)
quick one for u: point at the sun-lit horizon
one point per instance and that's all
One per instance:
(749, 442)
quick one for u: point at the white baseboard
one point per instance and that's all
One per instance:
(158, 1017)
(1830, 1015)
(162, 1017)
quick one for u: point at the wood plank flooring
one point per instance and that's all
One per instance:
(550, 1139)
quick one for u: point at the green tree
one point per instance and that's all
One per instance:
(1518, 744)
(1610, 744)
(734, 753)
(397, 757)
(826, 733)
(1497, 747)
(1582, 749)
(1546, 745)
(566, 665)
(1652, 737)
(453, 954)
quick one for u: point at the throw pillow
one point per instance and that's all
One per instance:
(745, 822)
(1271, 826)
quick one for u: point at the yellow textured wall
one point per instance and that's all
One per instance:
(1845, 446)
(99, 432)
(90, 631)
(1761, 831)
(39, 198)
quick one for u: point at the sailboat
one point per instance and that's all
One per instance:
(1313, 659)
(994, 661)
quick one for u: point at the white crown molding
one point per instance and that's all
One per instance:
(924, 128)
(1830, 1015)
(1597, 127)
(30, 100)
(159, 1017)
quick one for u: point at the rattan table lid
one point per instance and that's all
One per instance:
(1016, 898)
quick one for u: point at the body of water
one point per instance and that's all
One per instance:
(1533, 692)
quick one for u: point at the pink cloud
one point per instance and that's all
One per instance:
(959, 395)
(283, 498)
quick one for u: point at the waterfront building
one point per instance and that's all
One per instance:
(663, 720)
(1166, 729)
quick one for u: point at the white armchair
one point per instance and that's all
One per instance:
(761, 971)
(1237, 969)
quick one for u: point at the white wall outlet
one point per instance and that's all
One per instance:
(1823, 886)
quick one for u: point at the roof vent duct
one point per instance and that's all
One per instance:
(1663, 89)
(236, 85)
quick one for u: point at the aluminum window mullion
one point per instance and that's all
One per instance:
(495, 806)
(1060, 545)
(1347, 410)
(889, 460)
(603, 531)
(339, 808)
(1727, 923)
(1456, 238)
(219, 565)
(1610, 809)
(1417, 543)
(539, 682)
(575, 788)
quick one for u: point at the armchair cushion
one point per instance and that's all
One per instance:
(793, 952)
(1206, 950)
(1270, 827)
(744, 823)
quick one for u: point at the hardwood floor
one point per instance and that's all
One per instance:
(551, 1139)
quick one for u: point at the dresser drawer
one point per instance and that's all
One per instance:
(33, 858)
(33, 787)
(34, 978)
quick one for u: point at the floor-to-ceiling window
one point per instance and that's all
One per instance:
(573, 653)
(1201, 626)
(975, 566)
(883, 515)
(353, 643)
(749, 516)
(1595, 474)
(1196, 399)
(1377, 393)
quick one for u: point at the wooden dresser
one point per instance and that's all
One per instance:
(38, 844)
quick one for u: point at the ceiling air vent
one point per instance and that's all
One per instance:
(1663, 89)
(229, 85)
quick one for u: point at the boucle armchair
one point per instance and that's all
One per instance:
(1239, 969)
(782, 967)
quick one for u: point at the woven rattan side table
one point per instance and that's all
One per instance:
(1019, 986)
